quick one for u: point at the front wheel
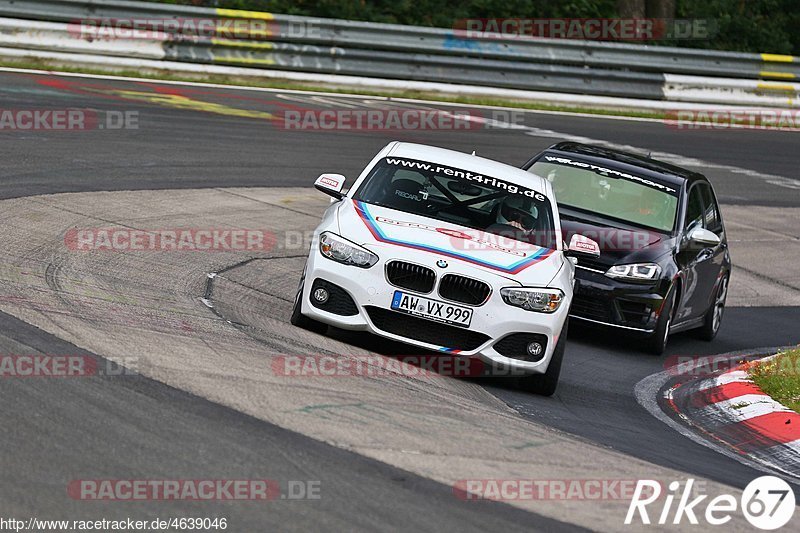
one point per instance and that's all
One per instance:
(656, 343)
(546, 384)
(713, 318)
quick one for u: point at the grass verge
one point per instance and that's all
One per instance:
(780, 378)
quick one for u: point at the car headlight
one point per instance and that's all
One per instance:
(533, 299)
(343, 251)
(635, 272)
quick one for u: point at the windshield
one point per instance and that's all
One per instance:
(609, 193)
(460, 197)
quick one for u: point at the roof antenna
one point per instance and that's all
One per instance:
(649, 155)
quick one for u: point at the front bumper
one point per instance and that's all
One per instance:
(492, 322)
(601, 300)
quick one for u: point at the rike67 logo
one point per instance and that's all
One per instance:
(767, 503)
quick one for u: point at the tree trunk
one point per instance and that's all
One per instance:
(629, 9)
(660, 9)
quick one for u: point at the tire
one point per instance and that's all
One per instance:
(656, 343)
(713, 319)
(546, 384)
(299, 319)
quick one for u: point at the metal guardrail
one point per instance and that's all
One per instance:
(391, 37)
(424, 67)
(422, 54)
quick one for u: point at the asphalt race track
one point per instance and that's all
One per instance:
(220, 139)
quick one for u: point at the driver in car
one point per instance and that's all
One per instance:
(515, 218)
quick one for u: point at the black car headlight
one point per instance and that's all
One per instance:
(343, 251)
(533, 299)
(635, 272)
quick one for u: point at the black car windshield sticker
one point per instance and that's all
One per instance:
(609, 172)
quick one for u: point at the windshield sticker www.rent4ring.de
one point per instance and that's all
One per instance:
(488, 181)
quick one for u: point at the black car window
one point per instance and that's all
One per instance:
(609, 193)
(712, 220)
(694, 209)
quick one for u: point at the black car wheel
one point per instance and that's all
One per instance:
(713, 319)
(656, 343)
(299, 319)
(546, 384)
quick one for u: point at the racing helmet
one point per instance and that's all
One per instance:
(519, 209)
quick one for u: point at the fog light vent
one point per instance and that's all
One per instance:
(523, 346)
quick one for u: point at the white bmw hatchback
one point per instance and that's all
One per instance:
(447, 251)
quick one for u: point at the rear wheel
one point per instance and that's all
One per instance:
(546, 384)
(656, 343)
(299, 319)
(713, 319)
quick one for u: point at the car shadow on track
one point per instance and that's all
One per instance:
(584, 341)
(587, 342)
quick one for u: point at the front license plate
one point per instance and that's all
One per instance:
(432, 309)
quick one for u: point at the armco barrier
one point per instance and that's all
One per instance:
(386, 51)
(422, 67)
(37, 35)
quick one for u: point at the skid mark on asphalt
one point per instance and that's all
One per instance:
(444, 429)
(173, 97)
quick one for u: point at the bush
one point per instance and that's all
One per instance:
(743, 25)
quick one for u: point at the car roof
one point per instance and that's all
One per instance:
(469, 162)
(632, 163)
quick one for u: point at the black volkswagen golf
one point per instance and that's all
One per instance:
(664, 263)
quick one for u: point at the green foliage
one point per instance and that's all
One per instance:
(780, 378)
(748, 25)
(743, 25)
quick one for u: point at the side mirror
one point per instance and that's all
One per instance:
(702, 238)
(331, 184)
(583, 245)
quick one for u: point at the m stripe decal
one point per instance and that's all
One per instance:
(540, 255)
